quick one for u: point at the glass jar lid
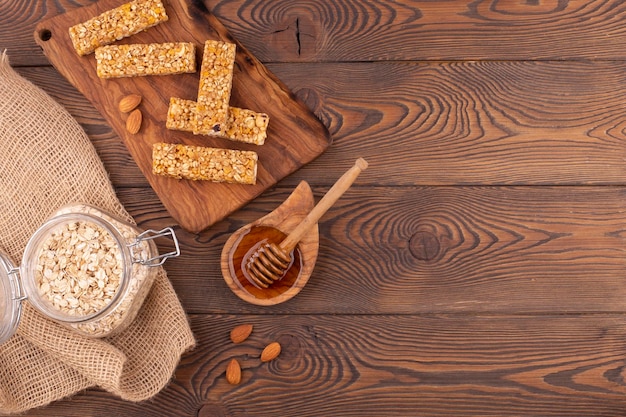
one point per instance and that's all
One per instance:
(10, 298)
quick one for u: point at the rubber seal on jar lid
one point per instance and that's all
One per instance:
(10, 298)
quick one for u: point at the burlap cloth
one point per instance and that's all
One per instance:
(48, 161)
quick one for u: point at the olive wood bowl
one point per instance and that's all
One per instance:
(284, 218)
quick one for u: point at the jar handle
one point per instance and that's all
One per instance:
(151, 234)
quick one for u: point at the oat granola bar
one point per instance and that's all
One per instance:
(216, 78)
(243, 125)
(203, 163)
(115, 24)
(145, 59)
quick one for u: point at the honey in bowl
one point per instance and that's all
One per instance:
(248, 250)
(240, 248)
(244, 249)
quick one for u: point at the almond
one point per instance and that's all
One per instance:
(129, 103)
(270, 352)
(133, 123)
(233, 372)
(240, 333)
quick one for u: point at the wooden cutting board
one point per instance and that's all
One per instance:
(295, 135)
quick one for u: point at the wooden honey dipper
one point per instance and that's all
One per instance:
(270, 262)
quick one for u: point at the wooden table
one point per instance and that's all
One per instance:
(476, 268)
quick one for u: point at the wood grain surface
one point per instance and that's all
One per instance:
(475, 269)
(295, 135)
(459, 30)
(364, 30)
(392, 365)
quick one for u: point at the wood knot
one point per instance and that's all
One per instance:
(424, 246)
(309, 97)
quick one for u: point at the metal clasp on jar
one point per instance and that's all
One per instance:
(151, 234)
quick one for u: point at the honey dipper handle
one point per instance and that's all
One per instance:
(330, 198)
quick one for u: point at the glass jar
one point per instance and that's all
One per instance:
(85, 269)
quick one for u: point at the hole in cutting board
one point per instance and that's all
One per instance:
(45, 35)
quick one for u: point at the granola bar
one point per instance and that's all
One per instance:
(203, 163)
(243, 125)
(216, 78)
(145, 59)
(115, 24)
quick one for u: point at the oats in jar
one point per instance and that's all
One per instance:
(79, 268)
